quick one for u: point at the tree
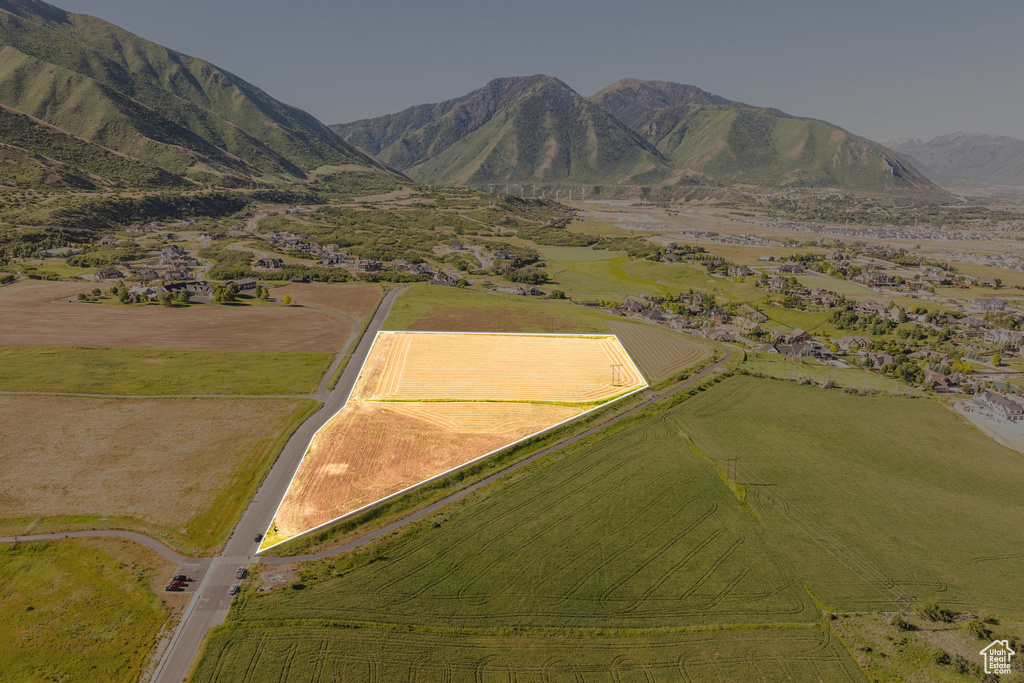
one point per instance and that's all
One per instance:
(96, 291)
(556, 294)
(287, 300)
(645, 192)
(165, 298)
(265, 294)
(997, 360)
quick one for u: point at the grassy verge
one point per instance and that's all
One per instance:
(154, 372)
(808, 371)
(337, 372)
(81, 610)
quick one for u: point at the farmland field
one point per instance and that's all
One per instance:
(353, 300)
(36, 313)
(310, 654)
(431, 308)
(159, 371)
(796, 369)
(639, 533)
(660, 353)
(79, 610)
(181, 469)
(427, 403)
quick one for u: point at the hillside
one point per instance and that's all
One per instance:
(532, 129)
(711, 139)
(978, 157)
(118, 95)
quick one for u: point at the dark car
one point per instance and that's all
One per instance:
(234, 589)
(259, 537)
(183, 584)
(240, 574)
(174, 589)
(180, 577)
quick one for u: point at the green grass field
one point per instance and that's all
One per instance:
(903, 487)
(841, 287)
(795, 369)
(368, 654)
(154, 372)
(841, 502)
(78, 610)
(428, 307)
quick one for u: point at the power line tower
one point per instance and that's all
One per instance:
(616, 374)
(732, 465)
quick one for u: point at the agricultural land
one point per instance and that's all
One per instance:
(427, 403)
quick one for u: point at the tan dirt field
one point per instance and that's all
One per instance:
(35, 312)
(659, 353)
(377, 445)
(162, 461)
(371, 450)
(355, 301)
(501, 367)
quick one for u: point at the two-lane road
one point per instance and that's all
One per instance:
(210, 605)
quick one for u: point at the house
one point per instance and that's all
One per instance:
(791, 267)
(147, 274)
(502, 256)
(529, 290)
(746, 325)
(632, 306)
(876, 279)
(719, 335)
(854, 342)
(333, 259)
(1001, 336)
(246, 284)
(589, 304)
(995, 406)
(205, 236)
(808, 349)
(442, 278)
(986, 282)
(975, 320)
(938, 381)
(139, 294)
(777, 284)
(875, 308)
(740, 271)
(177, 274)
(108, 239)
(421, 269)
(988, 304)
(456, 246)
(880, 359)
(400, 264)
(269, 263)
(368, 265)
(824, 298)
(110, 274)
(652, 314)
(796, 336)
(199, 292)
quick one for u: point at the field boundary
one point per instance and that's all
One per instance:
(453, 469)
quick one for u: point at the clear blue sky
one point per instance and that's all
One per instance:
(916, 68)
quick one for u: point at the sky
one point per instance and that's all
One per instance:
(913, 68)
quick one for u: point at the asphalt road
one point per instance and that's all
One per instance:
(210, 606)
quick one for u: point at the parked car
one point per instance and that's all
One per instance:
(174, 589)
(234, 589)
(181, 584)
(240, 574)
(259, 537)
(180, 577)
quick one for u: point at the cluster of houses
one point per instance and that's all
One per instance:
(994, 406)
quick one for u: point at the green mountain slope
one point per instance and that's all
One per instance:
(711, 139)
(102, 84)
(977, 157)
(531, 129)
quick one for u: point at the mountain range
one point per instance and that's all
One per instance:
(994, 159)
(86, 103)
(669, 137)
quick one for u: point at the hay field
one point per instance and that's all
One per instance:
(659, 353)
(496, 367)
(426, 403)
(357, 301)
(371, 450)
(35, 313)
(174, 465)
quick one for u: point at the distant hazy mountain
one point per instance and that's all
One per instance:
(668, 136)
(709, 136)
(995, 159)
(137, 113)
(533, 128)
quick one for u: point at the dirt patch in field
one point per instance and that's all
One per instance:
(36, 312)
(355, 301)
(163, 461)
(659, 353)
(370, 450)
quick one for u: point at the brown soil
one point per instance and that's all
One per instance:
(163, 461)
(371, 450)
(355, 301)
(36, 312)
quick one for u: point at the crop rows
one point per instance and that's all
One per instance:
(660, 353)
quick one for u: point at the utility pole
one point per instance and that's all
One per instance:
(570, 194)
(732, 464)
